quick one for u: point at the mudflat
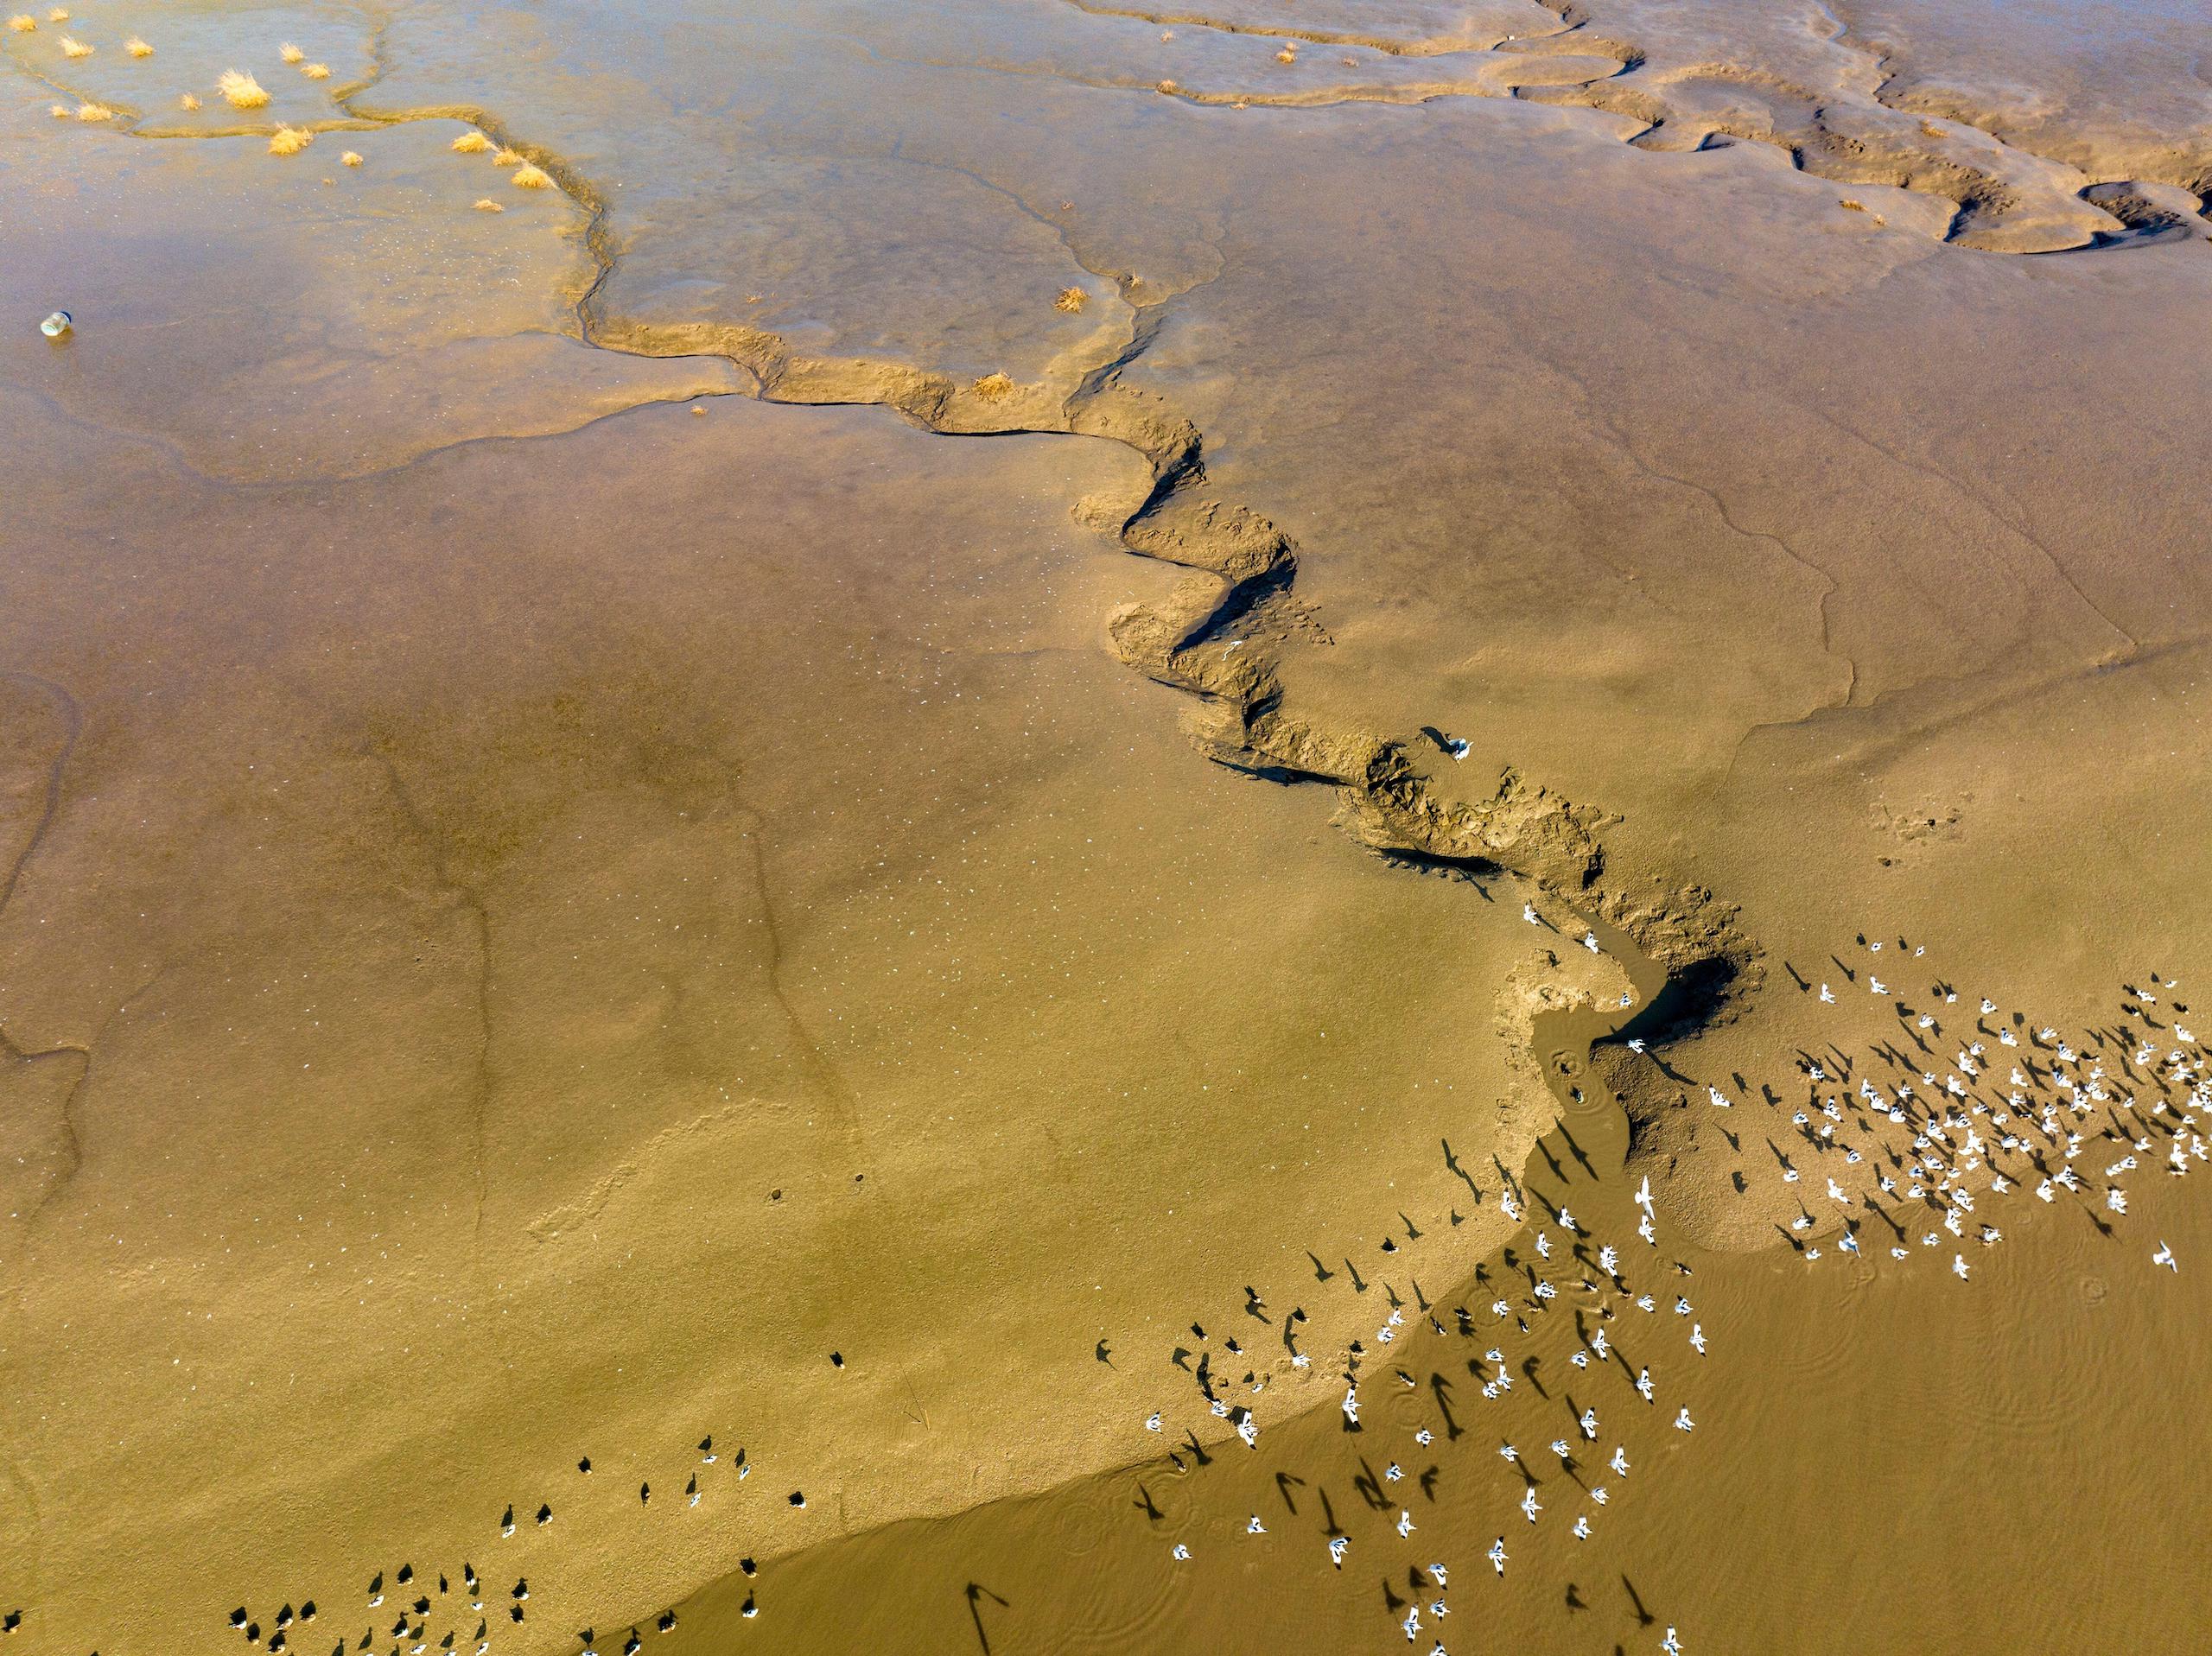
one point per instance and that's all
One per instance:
(1031, 827)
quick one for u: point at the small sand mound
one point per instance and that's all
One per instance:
(472, 144)
(532, 178)
(240, 91)
(72, 48)
(289, 53)
(315, 71)
(289, 140)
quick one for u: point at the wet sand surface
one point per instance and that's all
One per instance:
(633, 1011)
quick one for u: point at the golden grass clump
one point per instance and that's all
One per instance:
(993, 388)
(59, 111)
(1070, 299)
(290, 140)
(94, 112)
(187, 100)
(472, 144)
(352, 158)
(507, 157)
(138, 49)
(488, 205)
(1169, 87)
(1288, 54)
(532, 178)
(72, 48)
(289, 53)
(59, 15)
(315, 71)
(22, 23)
(240, 91)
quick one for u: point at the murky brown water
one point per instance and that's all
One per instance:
(561, 908)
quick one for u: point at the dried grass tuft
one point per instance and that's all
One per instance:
(240, 91)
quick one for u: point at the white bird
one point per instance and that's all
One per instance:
(1697, 1338)
(1405, 1522)
(1530, 1505)
(1506, 1452)
(1599, 1495)
(1392, 1472)
(1589, 1423)
(1412, 1623)
(1959, 1265)
(1182, 1551)
(1256, 1528)
(1620, 1462)
(1644, 1384)
(1590, 942)
(1497, 1555)
(1529, 913)
(1151, 1421)
(2165, 1256)
(1683, 1422)
(1560, 1448)
(1827, 995)
(1644, 1193)
(1671, 1645)
(1336, 1545)
(1875, 984)
(1582, 1527)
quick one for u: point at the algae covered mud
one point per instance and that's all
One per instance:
(648, 1003)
